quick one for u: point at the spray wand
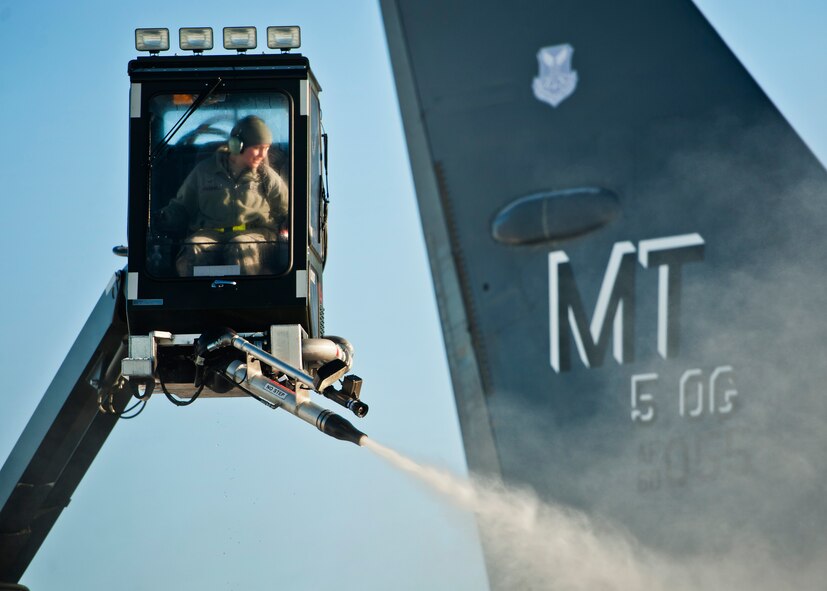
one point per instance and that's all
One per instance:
(249, 377)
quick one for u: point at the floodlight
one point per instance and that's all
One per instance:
(152, 40)
(240, 38)
(284, 38)
(195, 39)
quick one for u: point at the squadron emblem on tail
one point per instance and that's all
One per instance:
(556, 81)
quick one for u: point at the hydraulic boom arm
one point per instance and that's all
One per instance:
(64, 435)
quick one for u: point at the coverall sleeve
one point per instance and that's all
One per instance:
(278, 198)
(182, 210)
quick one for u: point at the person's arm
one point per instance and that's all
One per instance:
(279, 198)
(181, 210)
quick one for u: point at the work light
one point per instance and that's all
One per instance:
(195, 39)
(240, 38)
(284, 38)
(152, 40)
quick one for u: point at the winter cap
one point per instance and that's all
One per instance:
(252, 131)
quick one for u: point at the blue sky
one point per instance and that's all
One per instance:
(226, 493)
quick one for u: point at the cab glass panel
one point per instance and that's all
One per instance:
(219, 202)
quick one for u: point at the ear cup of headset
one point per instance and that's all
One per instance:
(235, 144)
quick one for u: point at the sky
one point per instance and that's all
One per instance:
(226, 493)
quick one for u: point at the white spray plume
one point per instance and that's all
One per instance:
(533, 545)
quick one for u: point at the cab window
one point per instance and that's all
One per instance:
(219, 202)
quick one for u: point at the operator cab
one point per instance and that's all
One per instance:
(228, 221)
(214, 240)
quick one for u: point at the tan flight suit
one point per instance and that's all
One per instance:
(234, 221)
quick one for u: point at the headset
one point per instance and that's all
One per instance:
(235, 143)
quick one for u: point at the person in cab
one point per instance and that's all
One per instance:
(234, 206)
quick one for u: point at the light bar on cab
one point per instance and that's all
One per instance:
(195, 39)
(284, 38)
(152, 40)
(240, 38)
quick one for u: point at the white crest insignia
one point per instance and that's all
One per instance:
(556, 81)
